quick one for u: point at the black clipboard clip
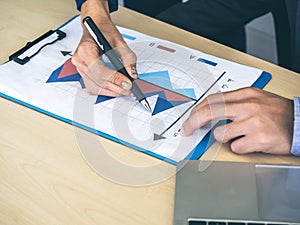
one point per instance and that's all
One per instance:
(15, 56)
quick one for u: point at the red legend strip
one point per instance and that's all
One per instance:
(166, 48)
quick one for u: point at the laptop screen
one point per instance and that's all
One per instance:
(231, 193)
(278, 189)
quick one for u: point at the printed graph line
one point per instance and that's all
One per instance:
(160, 136)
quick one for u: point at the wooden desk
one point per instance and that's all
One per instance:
(44, 178)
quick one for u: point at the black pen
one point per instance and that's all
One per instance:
(114, 59)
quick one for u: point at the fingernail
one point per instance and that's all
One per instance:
(183, 131)
(133, 71)
(127, 86)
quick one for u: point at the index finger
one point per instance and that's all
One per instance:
(93, 66)
(203, 114)
(231, 96)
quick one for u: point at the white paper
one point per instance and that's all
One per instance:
(183, 70)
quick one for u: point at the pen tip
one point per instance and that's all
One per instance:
(147, 106)
(149, 109)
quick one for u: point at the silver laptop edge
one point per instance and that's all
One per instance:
(236, 193)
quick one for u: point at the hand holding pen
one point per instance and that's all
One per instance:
(114, 59)
(99, 79)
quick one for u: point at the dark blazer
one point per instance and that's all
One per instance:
(293, 8)
(113, 4)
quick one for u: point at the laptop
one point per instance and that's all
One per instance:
(234, 193)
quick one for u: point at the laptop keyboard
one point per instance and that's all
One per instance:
(203, 222)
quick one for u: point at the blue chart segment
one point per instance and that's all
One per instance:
(159, 83)
(65, 73)
(102, 98)
(166, 99)
(162, 79)
(151, 84)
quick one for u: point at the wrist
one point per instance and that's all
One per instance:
(96, 9)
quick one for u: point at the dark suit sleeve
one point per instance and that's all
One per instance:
(113, 4)
(293, 7)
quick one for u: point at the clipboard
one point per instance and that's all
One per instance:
(41, 46)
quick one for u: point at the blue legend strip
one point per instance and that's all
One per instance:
(126, 36)
(207, 62)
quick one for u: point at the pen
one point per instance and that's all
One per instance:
(114, 59)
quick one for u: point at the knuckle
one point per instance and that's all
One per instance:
(106, 85)
(210, 99)
(129, 58)
(80, 51)
(261, 139)
(74, 59)
(257, 122)
(93, 89)
(251, 105)
(195, 110)
(107, 75)
(133, 56)
(252, 91)
(221, 134)
(87, 49)
(115, 79)
(215, 97)
(187, 124)
(218, 134)
(90, 92)
(205, 112)
(249, 90)
(236, 148)
(192, 122)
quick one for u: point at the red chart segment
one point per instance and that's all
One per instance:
(65, 73)
(166, 97)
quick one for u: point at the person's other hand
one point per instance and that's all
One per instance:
(98, 78)
(261, 121)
